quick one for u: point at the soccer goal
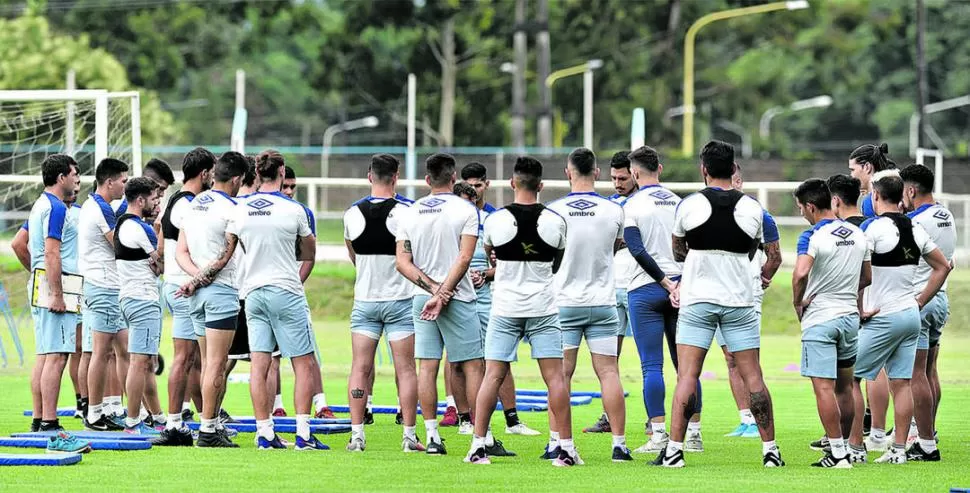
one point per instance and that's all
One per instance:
(89, 125)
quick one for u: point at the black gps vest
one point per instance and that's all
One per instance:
(376, 238)
(856, 220)
(122, 252)
(721, 230)
(526, 245)
(906, 252)
(169, 230)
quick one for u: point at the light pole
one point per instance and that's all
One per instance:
(937, 107)
(805, 104)
(328, 134)
(587, 70)
(687, 146)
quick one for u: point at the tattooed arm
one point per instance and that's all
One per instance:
(405, 265)
(680, 248)
(207, 274)
(773, 252)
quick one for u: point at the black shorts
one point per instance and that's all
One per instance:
(240, 342)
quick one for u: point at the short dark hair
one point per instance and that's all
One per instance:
(918, 175)
(54, 166)
(249, 179)
(876, 155)
(268, 164)
(528, 173)
(645, 157)
(620, 160)
(717, 157)
(583, 160)
(139, 186)
(463, 188)
(889, 186)
(440, 168)
(160, 169)
(230, 165)
(383, 167)
(109, 168)
(288, 173)
(845, 188)
(814, 191)
(196, 161)
(474, 169)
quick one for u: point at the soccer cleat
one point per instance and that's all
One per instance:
(356, 444)
(326, 413)
(311, 444)
(498, 450)
(173, 438)
(675, 459)
(550, 454)
(822, 444)
(102, 424)
(188, 415)
(399, 418)
(601, 425)
(264, 444)
(656, 443)
(409, 445)
(738, 431)
(521, 429)
(912, 436)
(66, 442)
(567, 459)
(214, 440)
(917, 454)
(895, 455)
(436, 448)
(224, 417)
(751, 431)
(466, 428)
(621, 454)
(773, 459)
(858, 456)
(694, 442)
(829, 461)
(226, 432)
(279, 412)
(79, 413)
(118, 420)
(877, 445)
(368, 418)
(141, 429)
(478, 456)
(450, 418)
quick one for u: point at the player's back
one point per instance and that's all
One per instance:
(269, 225)
(134, 240)
(652, 210)
(896, 244)
(369, 224)
(937, 221)
(48, 219)
(207, 217)
(96, 256)
(623, 263)
(593, 224)
(175, 210)
(838, 248)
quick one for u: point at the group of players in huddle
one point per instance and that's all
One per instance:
(450, 274)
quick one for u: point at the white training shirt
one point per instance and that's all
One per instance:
(269, 226)
(937, 221)
(652, 210)
(377, 275)
(713, 276)
(893, 288)
(137, 279)
(838, 248)
(623, 263)
(585, 277)
(434, 225)
(96, 256)
(205, 232)
(525, 289)
(173, 272)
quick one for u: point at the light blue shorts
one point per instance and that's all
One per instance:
(592, 322)
(483, 303)
(144, 321)
(933, 317)
(54, 332)
(888, 341)
(214, 306)
(624, 327)
(181, 310)
(373, 318)
(503, 335)
(87, 340)
(719, 337)
(830, 346)
(102, 312)
(457, 329)
(739, 326)
(277, 316)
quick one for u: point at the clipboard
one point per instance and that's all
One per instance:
(71, 284)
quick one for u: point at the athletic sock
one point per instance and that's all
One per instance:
(877, 434)
(567, 445)
(928, 446)
(94, 413)
(477, 442)
(838, 447)
(278, 402)
(746, 417)
(159, 419)
(186, 406)
(431, 428)
(303, 426)
(660, 427)
(131, 422)
(264, 428)
(49, 425)
(410, 432)
(319, 402)
(553, 439)
(511, 417)
(619, 441)
(80, 404)
(208, 425)
(451, 401)
(114, 404)
(489, 439)
(857, 448)
(673, 446)
(143, 413)
(768, 446)
(693, 426)
(357, 431)
(370, 403)
(174, 422)
(35, 423)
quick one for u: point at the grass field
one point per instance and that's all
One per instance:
(728, 464)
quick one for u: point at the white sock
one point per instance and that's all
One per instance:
(477, 442)
(928, 446)
(746, 417)
(451, 401)
(838, 447)
(319, 402)
(357, 431)
(114, 404)
(278, 402)
(264, 428)
(186, 406)
(208, 426)
(877, 434)
(673, 446)
(553, 439)
(143, 413)
(174, 422)
(693, 426)
(131, 422)
(431, 428)
(94, 413)
(619, 441)
(303, 426)
(769, 446)
(370, 403)
(567, 445)
(159, 419)
(660, 427)
(410, 432)
(489, 439)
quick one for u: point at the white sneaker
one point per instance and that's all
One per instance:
(409, 445)
(656, 443)
(858, 456)
(356, 445)
(567, 459)
(913, 435)
(892, 456)
(466, 429)
(520, 429)
(877, 445)
(694, 442)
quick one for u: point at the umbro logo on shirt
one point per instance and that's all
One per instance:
(844, 233)
(432, 202)
(941, 215)
(661, 194)
(581, 206)
(259, 204)
(206, 199)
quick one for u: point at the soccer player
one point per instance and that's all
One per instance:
(864, 162)
(382, 301)
(716, 233)
(845, 191)
(136, 256)
(585, 288)
(435, 245)
(214, 298)
(528, 241)
(160, 172)
(102, 313)
(937, 221)
(891, 324)
(833, 266)
(196, 178)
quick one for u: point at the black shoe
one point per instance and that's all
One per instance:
(436, 448)
(498, 450)
(214, 440)
(188, 415)
(621, 454)
(822, 444)
(173, 438)
(101, 424)
(150, 421)
(867, 422)
(773, 459)
(675, 459)
(34, 425)
(224, 417)
(550, 454)
(916, 453)
(829, 461)
(399, 418)
(602, 425)
(369, 418)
